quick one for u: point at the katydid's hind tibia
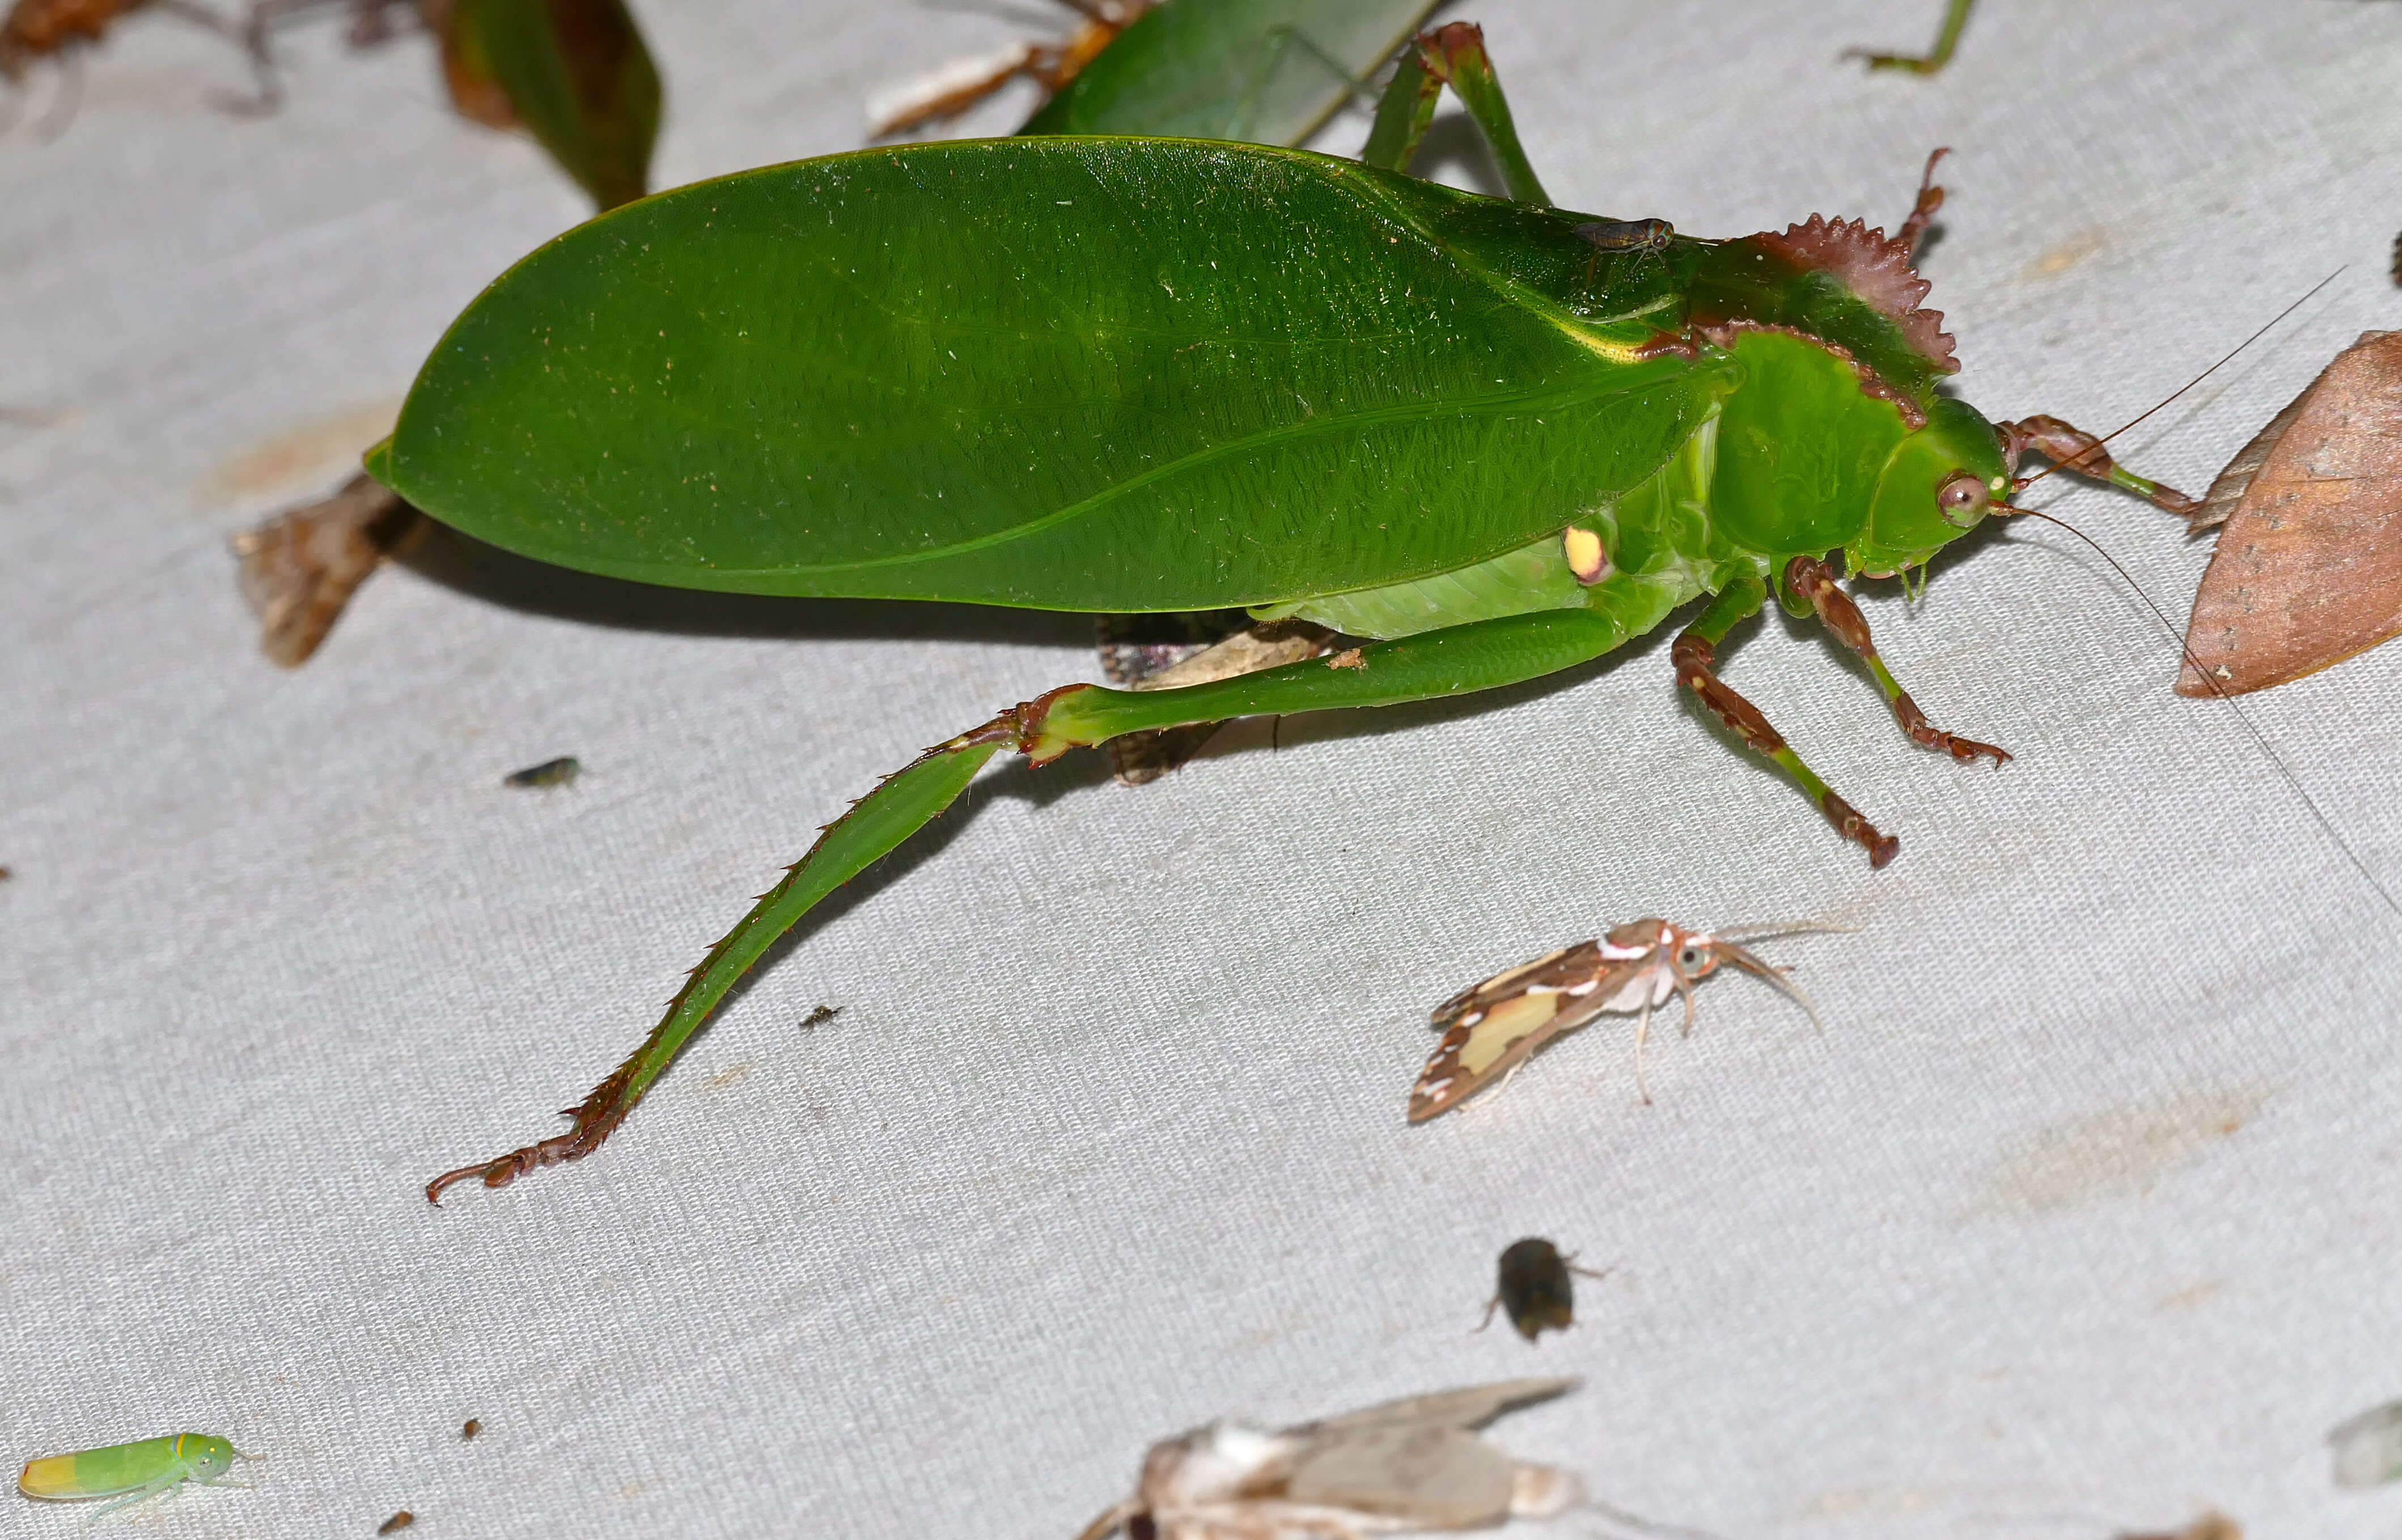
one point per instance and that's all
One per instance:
(1437, 664)
(1491, 1028)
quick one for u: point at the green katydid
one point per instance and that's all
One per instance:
(1141, 375)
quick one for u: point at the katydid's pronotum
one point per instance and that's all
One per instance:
(1129, 375)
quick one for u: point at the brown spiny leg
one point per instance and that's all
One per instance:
(2072, 448)
(1815, 581)
(1694, 656)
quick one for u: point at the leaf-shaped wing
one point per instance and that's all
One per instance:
(1081, 374)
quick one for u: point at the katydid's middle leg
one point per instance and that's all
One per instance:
(1458, 660)
(1955, 17)
(1452, 54)
(1813, 579)
(1695, 656)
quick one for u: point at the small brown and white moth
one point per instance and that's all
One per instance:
(1414, 1463)
(1491, 1028)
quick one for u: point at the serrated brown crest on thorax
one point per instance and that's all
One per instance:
(1873, 268)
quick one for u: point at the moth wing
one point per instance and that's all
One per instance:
(1469, 1407)
(1428, 1475)
(1481, 994)
(1482, 1045)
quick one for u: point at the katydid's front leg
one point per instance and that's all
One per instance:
(1813, 579)
(2072, 448)
(1695, 656)
(1455, 661)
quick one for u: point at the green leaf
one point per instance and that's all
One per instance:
(1079, 374)
(1268, 71)
(576, 74)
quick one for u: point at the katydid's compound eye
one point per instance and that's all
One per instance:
(1693, 959)
(1962, 499)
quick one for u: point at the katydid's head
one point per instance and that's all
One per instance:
(1938, 483)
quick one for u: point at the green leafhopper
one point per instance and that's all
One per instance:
(131, 1472)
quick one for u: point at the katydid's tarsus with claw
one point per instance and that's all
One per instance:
(1947, 39)
(1482, 443)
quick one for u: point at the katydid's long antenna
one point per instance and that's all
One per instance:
(2268, 749)
(2072, 461)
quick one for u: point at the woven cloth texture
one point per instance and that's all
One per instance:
(2080, 1216)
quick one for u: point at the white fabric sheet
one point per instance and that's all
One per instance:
(2078, 1218)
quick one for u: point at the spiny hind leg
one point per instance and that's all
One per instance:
(2072, 448)
(1815, 581)
(1695, 656)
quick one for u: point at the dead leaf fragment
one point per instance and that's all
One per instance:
(300, 569)
(2308, 570)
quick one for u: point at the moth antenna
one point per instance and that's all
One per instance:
(1645, 1526)
(2268, 749)
(1771, 930)
(2182, 389)
(1750, 963)
(1108, 1523)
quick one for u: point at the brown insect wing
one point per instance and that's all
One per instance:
(2308, 569)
